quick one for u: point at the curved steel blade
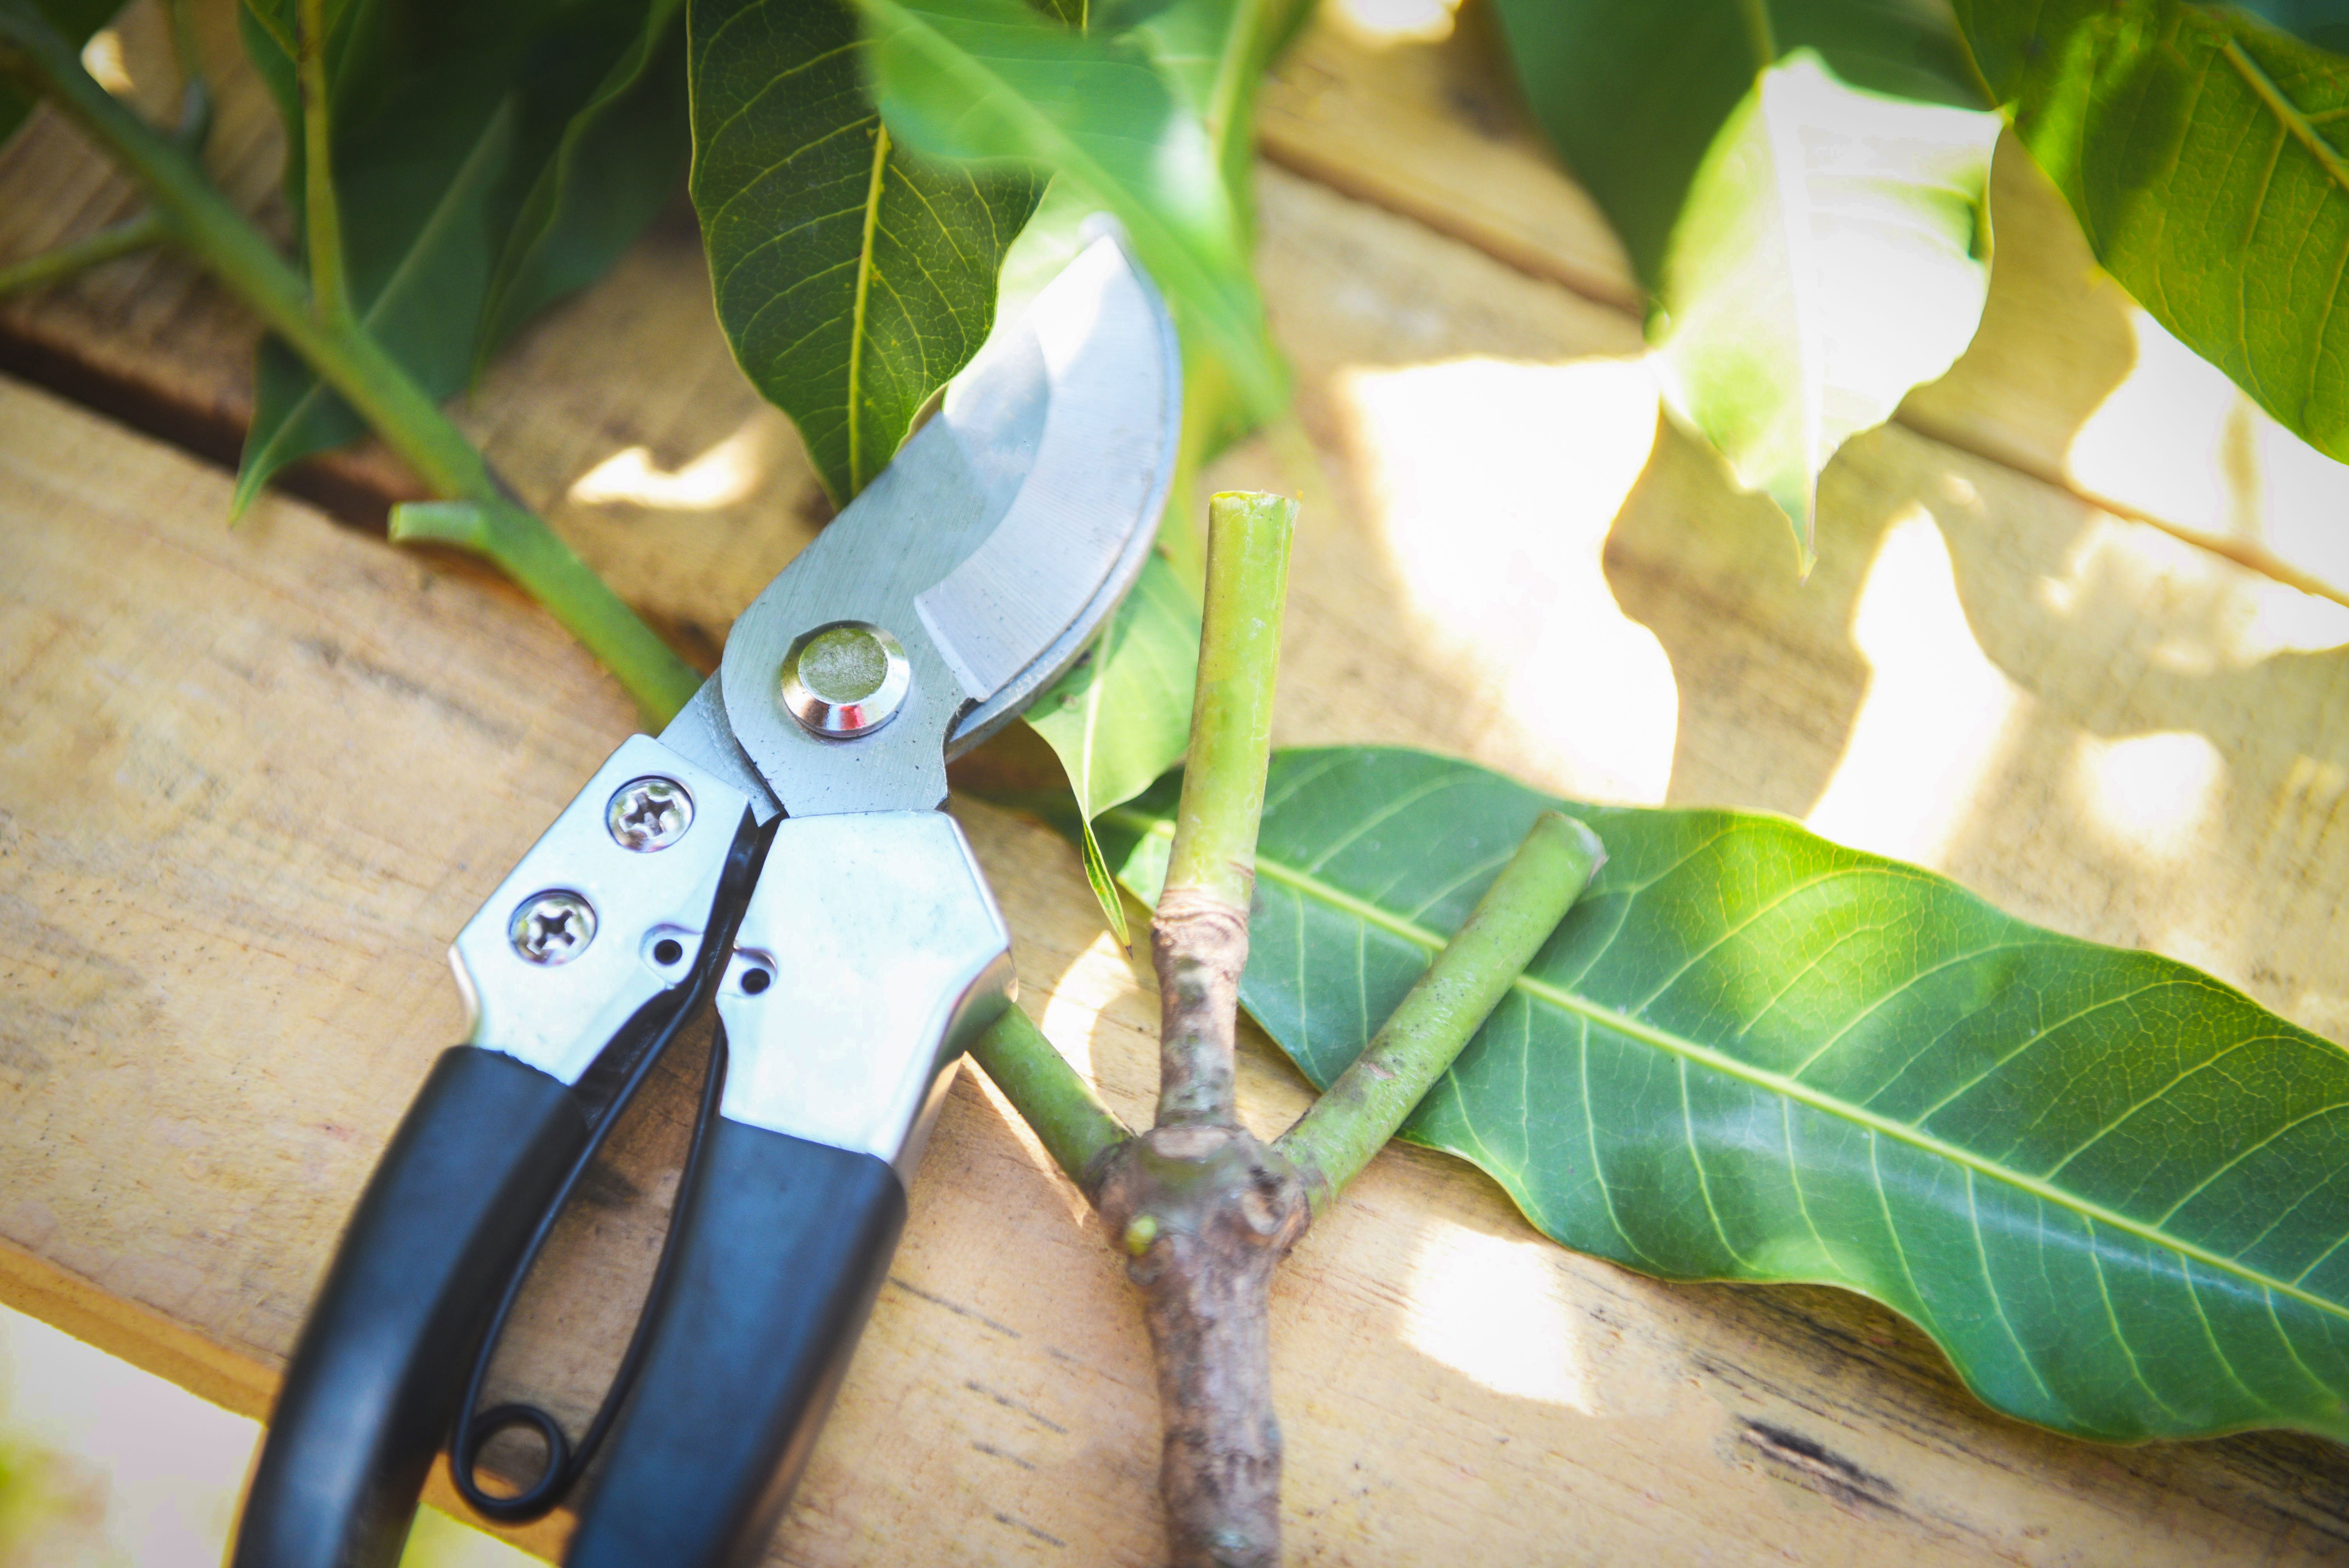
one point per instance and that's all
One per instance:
(991, 547)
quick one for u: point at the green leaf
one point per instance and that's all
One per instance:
(74, 19)
(2324, 22)
(487, 158)
(1811, 234)
(990, 82)
(1122, 716)
(624, 142)
(1634, 92)
(1217, 52)
(1834, 252)
(2115, 1190)
(2202, 153)
(852, 277)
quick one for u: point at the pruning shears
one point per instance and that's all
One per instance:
(778, 850)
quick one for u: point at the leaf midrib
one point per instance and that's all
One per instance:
(1705, 1056)
(864, 258)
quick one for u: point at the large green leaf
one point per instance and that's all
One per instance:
(852, 277)
(2114, 1190)
(1812, 233)
(991, 81)
(2321, 21)
(619, 155)
(74, 19)
(1217, 53)
(1122, 716)
(487, 158)
(1834, 252)
(2202, 153)
(1635, 91)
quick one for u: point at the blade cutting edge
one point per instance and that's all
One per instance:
(992, 547)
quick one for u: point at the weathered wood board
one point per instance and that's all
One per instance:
(224, 980)
(251, 782)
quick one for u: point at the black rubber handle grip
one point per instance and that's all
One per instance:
(785, 1246)
(373, 1385)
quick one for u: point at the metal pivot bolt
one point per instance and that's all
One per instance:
(553, 927)
(649, 814)
(844, 679)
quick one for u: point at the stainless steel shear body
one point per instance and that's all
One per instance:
(779, 851)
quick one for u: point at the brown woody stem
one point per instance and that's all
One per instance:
(1205, 1215)
(1203, 1211)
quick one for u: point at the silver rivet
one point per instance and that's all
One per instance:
(845, 679)
(649, 814)
(553, 927)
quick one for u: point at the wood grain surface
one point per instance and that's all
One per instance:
(251, 782)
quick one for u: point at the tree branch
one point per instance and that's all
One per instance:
(1342, 1131)
(1204, 1211)
(349, 360)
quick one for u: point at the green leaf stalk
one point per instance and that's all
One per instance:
(201, 219)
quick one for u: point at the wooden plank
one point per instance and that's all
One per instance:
(1434, 131)
(281, 764)
(227, 765)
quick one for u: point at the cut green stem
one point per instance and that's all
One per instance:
(1214, 852)
(1199, 939)
(1352, 1121)
(349, 360)
(1050, 1095)
(79, 255)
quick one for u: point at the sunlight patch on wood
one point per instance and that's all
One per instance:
(726, 475)
(1381, 24)
(2153, 795)
(1496, 1311)
(102, 58)
(1072, 1006)
(1492, 486)
(1929, 727)
(2178, 441)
